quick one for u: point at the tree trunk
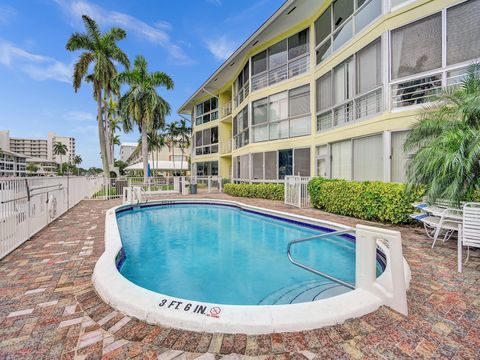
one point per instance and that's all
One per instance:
(145, 154)
(173, 157)
(101, 134)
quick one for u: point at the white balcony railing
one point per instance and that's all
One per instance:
(226, 109)
(225, 147)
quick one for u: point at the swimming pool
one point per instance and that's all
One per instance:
(214, 265)
(226, 255)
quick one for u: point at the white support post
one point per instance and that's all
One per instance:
(176, 184)
(393, 289)
(209, 183)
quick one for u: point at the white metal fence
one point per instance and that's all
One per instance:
(29, 204)
(296, 191)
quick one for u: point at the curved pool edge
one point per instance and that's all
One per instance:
(143, 304)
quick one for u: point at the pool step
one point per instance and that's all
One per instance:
(304, 292)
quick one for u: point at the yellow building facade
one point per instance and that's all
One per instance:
(330, 88)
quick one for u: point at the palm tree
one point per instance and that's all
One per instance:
(60, 149)
(184, 136)
(446, 142)
(113, 125)
(101, 51)
(141, 104)
(77, 160)
(172, 133)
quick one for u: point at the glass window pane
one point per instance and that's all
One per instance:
(277, 54)
(214, 135)
(245, 167)
(417, 47)
(260, 133)
(213, 103)
(257, 166)
(278, 107)
(206, 106)
(278, 130)
(298, 44)
(300, 126)
(245, 117)
(367, 14)
(343, 35)
(343, 82)
(206, 137)
(285, 163)
(399, 156)
(368, 158)
(199, 109)
(259, 111)
(342, 9)
(206, 118)
(235, 127)
(341, 164)
(198, 138)
(301, 162)
(214, 168)
(369, 67)
(198, 121)
(271, 165)
(323, 26)
(324, 92)
(245, 72)
(299, 101)
(323, 51)
(259, 63)
(463, 32)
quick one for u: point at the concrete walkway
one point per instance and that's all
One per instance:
(49, 310)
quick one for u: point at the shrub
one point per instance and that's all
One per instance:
(369, 200)
(260, 191)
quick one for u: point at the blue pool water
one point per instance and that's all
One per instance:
(226, 255)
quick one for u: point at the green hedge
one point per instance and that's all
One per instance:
(369, 200)
(260, 191)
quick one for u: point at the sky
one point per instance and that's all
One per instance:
(187, 39)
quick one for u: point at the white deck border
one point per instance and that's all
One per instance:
(143, 304)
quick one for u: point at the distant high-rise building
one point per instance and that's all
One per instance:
(38, 148)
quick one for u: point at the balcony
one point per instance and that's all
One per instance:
(225, 147)
(226, 109)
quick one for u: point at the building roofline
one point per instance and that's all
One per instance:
(242, 47)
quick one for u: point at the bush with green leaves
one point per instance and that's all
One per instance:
(368, 200)
(260, 191)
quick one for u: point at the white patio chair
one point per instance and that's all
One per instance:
(469, 230)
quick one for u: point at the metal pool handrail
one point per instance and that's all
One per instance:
(308, 268)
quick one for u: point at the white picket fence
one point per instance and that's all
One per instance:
(296, 191)
(29, 204)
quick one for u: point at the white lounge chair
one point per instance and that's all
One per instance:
(469, 230)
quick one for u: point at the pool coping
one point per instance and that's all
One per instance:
(145, 305)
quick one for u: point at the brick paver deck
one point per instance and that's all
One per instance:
(49, 309)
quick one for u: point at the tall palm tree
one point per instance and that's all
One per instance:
(446, 142)
(101, 51)
(184, 137)
(60, 149)
(77, 160)
(113, 125)
(141, 104)
(172, 133)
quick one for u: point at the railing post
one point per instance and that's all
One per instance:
(393, 291)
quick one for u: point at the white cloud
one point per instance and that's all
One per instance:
(157, 34)
(6, 13)
(79, 116)
(38, 67)
(221, 47)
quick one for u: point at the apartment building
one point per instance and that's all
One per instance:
(11, 164)
(330, 88)
(38, 148)
(126, 149)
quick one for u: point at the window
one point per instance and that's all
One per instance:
(242, 85)
(301, 162)
(399, 157)
(335, 26)
(283, 60)
(341, 160)
(257, 166)
(322, 153)
(352, 97)
(245, 166)
(240, 128)
(206, 141)
(285, 163)
(368, 158)
(271, 165)
(207, 168)
(417, 47)
(283, 115)
(206, 111)
(463, 32)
